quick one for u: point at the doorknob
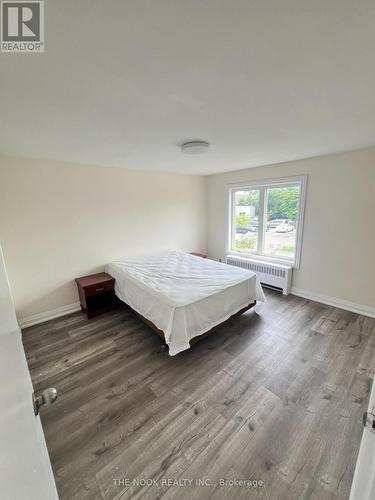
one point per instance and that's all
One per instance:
(46, 397)
(369, 420)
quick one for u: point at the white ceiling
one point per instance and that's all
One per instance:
(123, 83)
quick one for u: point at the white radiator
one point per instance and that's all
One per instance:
(274, 275)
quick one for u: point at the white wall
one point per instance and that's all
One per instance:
(337, 259)
(59, 221)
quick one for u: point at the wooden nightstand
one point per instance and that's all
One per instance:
(96, 293)
(203, 255)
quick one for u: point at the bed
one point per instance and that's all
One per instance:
(183, 296)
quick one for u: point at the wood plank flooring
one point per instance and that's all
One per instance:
(275, 397)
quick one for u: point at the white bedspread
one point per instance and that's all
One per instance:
(182, 294)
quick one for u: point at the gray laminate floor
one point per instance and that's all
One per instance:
(276, 397)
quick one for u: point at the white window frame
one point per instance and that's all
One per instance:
(301, 181)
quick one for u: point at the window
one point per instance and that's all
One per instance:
(266, 219)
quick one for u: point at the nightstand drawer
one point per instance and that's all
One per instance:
(100, 288)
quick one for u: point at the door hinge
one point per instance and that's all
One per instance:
(369, 420)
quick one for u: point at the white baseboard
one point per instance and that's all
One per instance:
(324, 299)
(47, 315)
(335, 302)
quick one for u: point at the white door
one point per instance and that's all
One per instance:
(25, 469)
(363, 487)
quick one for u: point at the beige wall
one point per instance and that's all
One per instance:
(338, 248)
(59, 221)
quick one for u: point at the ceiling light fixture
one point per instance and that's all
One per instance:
(195, 147)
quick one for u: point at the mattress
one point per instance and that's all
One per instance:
(182, 294)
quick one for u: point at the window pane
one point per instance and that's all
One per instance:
(246, 213)
(282, 210)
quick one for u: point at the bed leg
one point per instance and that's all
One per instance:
(163, 347)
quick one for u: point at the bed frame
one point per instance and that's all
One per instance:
(160, 333)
